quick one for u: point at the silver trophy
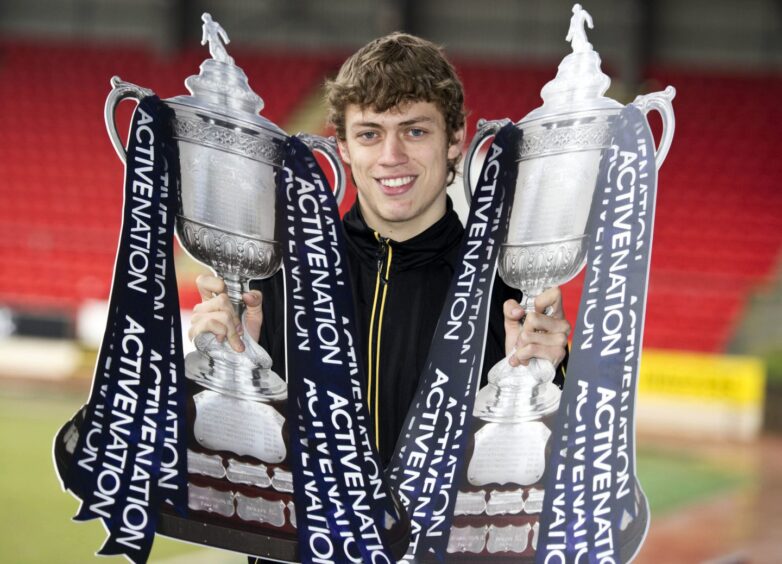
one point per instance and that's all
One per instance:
(546, 246)
(228, 159)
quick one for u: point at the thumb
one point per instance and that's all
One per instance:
(512, 312)
(253, 313)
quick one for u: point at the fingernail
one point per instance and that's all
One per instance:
(517, 311)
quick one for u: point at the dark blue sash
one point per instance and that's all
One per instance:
(426, 467)
(594, 509)
(343, 503)
(131, 450)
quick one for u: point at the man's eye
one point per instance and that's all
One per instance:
(416, 132)
(367, 135)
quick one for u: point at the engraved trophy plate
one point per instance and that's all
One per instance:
(246, 473)
(535, 531)
(534, 503)
(467, 539)
(504, 503)
(206, 464)
(261, 510)
(508, 539)
(509, 453)
(470, 503)
(211, 500)
(282, 480)
(292, 513)
(239, 426)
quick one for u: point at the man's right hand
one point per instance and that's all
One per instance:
(215, 314)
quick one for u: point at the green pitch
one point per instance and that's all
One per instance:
(35, 519)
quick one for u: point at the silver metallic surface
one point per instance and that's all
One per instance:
(228, 156)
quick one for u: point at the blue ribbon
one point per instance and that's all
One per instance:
(344, 508)
(131, 455)
(594, 509)
(426, 467)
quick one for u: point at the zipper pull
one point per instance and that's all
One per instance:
(382, 253)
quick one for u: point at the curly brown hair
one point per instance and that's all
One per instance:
(393, 70)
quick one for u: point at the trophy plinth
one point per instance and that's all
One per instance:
(238, 462)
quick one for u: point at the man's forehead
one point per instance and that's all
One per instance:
(404, 113)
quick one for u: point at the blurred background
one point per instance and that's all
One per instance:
(710, 391)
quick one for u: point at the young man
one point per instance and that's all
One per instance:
(398, 110)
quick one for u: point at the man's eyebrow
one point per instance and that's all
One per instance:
(411, 121)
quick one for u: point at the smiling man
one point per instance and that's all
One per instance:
(398, 109)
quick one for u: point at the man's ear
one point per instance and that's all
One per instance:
(455, 148)
(343, 151)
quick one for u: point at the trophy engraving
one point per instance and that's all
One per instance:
(545, 246)
(206, 464)
(260, 509)
(505, 502)
(508, 539)
(282, 480)
(467, 539)
(534, 502)
(246, 473)
(210, 500)
(470, 503)
(242, 427)
(524, 447)
(229, 156)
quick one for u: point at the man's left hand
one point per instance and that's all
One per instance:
(541, 336)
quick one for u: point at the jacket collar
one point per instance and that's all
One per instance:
(439, 239)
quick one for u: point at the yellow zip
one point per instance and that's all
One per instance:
(373, 361)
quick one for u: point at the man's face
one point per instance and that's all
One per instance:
(399, 159)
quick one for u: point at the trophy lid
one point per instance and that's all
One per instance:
(221, 87)
(580, 83)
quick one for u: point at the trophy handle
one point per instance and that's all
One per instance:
(486, 128)
(329, 148)
(660, 101)
(120, 90)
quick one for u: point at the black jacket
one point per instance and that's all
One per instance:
(399, 291)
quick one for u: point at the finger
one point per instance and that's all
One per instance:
(557, 339)
(220, 323)
(253, 316)
(225, 332)
(523, 355)
(550, 298)
(541, 323)
(512, 313)
(208, 285)
(220, 303)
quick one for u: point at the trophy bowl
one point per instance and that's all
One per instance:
(537, 266)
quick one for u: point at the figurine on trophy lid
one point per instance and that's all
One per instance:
(498, 507)
(238, 462)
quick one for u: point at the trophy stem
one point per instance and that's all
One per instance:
(235, 287)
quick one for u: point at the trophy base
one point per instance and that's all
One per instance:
(235, 376)
(235, 502)
(518, 394)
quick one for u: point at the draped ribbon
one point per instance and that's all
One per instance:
(594, 509)
(426, 467)
(130, 455)
(344, 508)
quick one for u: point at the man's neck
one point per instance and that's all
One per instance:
(403, 230)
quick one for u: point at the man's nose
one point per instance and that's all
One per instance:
(393, 151)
